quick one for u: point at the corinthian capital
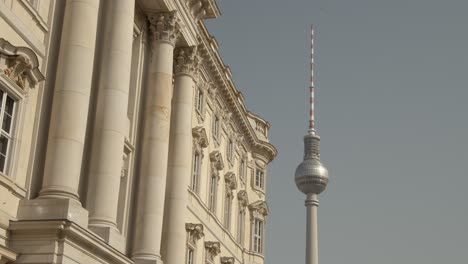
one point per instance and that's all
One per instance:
(186, 61)
(163, 26)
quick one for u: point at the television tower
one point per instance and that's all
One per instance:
(311, 176)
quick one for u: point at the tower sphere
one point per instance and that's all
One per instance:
(311, 176)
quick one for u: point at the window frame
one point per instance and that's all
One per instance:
(196, 170)
(227, 209)
(190, 249)
(241, 214)
(216, 127)
(258, 232)
(16, 130)
(212, 193)
(259, 181)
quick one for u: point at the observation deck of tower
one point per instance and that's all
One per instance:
(311, 175)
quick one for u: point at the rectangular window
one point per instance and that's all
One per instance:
(199, 100)
(190, 256)
(212, 194)
(230, 150)
(227, 211)
(240, 225)
(7, 110)
(216, 127)
(259, 179)
(258, 236)
(195, 172)
(242, 169)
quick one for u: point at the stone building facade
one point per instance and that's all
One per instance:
(123, 137)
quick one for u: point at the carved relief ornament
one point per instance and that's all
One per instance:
(186, 61)
(19, 64)
(212, 249)
(243, 198)
(163, 26)
(227, 260)
(195, 231)
(231, 181)
(200, 138)
(217, 163)
(259, 207)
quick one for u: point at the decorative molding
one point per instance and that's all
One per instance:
(227, 260)
(195, 232)
(202, 9)
(217, 163)
(19, 64)
(186, 61)
(243, 198)
(164, 27)
(259, 207)
(200, 137)
(212, 249)
(231, 181)
(258, 143)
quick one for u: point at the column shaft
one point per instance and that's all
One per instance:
(71, 100)
(180, 158)
(157, 114)
(311, 233)
(111, 123)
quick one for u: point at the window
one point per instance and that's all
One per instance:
(216, 127)
(258, 236)
(212, 193)
(195, 172)
(7, 109)
(230, 150)
(242, 170)
(199, 100)
(259, 179)
(227, 209)
(190, 256)
(240, 224)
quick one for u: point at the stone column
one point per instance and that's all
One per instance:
(157, 114)
(311, 233)
(69, 118)
(111, 124)
(180, 156)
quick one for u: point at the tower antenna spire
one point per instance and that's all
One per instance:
(311, 175)
(312, 86)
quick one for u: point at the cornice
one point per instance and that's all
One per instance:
(222, 77)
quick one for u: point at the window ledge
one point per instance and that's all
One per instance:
(9, 183)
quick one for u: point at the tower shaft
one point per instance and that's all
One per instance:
(311, 233)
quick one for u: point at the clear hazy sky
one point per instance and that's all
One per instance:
(392, 112)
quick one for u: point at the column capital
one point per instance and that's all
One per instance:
(186, 61)
(163, 27)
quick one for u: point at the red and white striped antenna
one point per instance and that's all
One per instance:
(312, 115)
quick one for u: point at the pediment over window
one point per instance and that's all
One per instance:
(20, 64)
(259, 207)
